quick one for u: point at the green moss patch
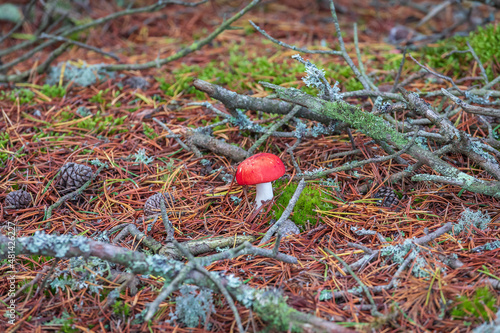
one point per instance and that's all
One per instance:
(311, 199)
(25, 96)
(484, 41)
(478, 306)
(244, 69)
(53, 91)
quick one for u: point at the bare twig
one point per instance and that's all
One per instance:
(358, 53)
(444, 77)
(247, 249)
(291, 47)
(479, 63)
(290, 151)
(286, 213)
(419, 241)
(41, 287)
(472, 108)
(79, 44)
(273, 128)
(277, 244)
(217, 146)
(357, 164)
(37, 279)
(361, 247)
(364, 81)
(67, 32)
(364, 232)
(196, 264)
(358, 280)
(400, 70)
(492, 83)
(167, 290)
(166, 221)
(179, 141)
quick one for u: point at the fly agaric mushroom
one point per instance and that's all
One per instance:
(260, 169)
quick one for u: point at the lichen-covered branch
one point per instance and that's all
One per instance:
(377, 128)
(372, 125)
(233, 101)
(472, 108)
(268, 308)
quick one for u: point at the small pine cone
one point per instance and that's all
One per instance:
(152, 205)
(387, 196)
(18, 199)
(74, 175)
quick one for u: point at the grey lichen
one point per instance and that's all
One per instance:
(98, 163)
(316, 78)
(271, 307)
(318, 129)
(470, 218)
(380, 105)
(65, 319)
(362, 231)
(313, 172)
(235, 199)
(228, 178)
(300, 129)
(477, 148)
(159, 265)
(247, 297)
(422, 142)
(46, 244)
(244, 123)
(398, 253)
(141, 157)
(233, 281)
(325, 295)
(78, 277)
(488, 246)
(484, 100)
(83, 75)
(193, 305)
(83, 111)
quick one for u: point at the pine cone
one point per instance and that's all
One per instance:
(152, 205)
(74, 175)
(18, 199)
(387, 196)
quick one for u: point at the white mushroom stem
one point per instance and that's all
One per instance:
(264, 193)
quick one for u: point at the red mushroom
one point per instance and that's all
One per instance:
(260, 169)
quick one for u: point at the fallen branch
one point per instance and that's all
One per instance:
(139, 263)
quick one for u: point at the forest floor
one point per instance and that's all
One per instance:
(111, 121)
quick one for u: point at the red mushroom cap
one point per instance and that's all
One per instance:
(260, 168)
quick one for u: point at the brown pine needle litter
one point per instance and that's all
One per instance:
(109, 126)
